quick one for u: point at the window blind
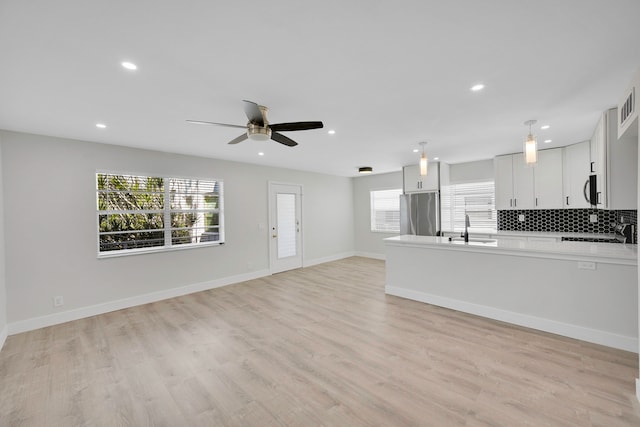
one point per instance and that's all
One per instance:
(476, 199)
(385, 210)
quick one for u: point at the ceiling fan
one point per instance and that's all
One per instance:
(259, 129)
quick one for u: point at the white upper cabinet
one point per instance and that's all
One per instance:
(514, 182)
(523, 194)
(614, 161)
(415, 183)
(548, 179)
(503, 169)
(519, 186)
(576, 168)
(599, 159)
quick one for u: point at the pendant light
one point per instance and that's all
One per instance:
(423, 161)
(530, 145)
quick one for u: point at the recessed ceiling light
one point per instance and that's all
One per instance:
(546, 141)
(129, 65)
(545, 127)
(101, 125)
(331, 132)
(436, 158)
(477, 87)
(261, 154)
(415, 150)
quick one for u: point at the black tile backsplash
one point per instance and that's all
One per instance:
(564, 220)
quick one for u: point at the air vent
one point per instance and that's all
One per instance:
(627, 108)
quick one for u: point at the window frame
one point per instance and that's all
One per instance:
(166, 212)
(372, 222)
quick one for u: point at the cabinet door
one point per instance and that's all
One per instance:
(523, 195)
(412, 181)
(548, 179)
(415, 183)
(576, 169)
(431, 182)
(503, 169)
(599, 159)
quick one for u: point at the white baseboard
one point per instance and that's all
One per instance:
(80, 313)
(3, 335)
(372, 255)
(568, 330)
(311, 262)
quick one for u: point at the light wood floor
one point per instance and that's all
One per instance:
(317, 346)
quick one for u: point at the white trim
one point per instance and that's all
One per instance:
(337, 257)
(373, 255)
(93, 310)
(638, 388)
(565, 329)
(3, 335)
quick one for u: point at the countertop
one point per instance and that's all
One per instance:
(523, 234)
(612, 253)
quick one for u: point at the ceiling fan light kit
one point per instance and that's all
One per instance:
(258, 133)
(259, 129)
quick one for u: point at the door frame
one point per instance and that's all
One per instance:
(271, 220)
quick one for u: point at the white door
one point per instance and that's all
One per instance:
(285, 225)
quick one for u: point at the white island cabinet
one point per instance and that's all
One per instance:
(582, 290)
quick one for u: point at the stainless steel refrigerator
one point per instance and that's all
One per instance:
(420, 214)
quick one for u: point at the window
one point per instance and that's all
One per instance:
(146, 213)
(476, 199)
(385, 210)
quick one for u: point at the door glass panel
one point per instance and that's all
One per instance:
(286, 218)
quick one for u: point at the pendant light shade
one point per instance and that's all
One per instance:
(530, 146)
(423, 161)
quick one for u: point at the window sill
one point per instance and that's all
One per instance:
(142, 251)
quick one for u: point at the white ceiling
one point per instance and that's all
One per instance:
(384, 74)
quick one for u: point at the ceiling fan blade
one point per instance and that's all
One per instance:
(254, 113)
(239, 139)
(278, 137)
(283, 127)
(200, 122)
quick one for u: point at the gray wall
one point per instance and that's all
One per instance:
(369, 243)
(3, 288)
(50, 203)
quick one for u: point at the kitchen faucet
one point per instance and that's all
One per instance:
(466, 228)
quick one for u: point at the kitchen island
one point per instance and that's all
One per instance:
(582, 290)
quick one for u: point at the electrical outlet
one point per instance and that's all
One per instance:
(586, 265)
(521, 218)
(58, 301)
(593, 218)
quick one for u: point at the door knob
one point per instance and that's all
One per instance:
(274, 236)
